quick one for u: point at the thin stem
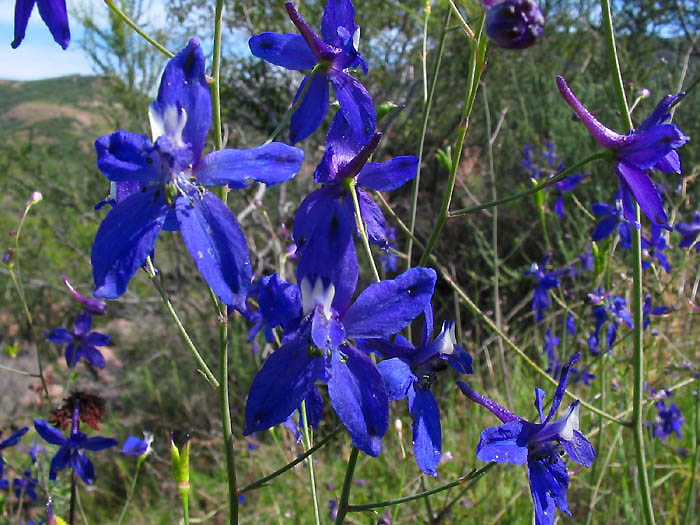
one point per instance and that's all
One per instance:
(203, 368)
(216, 87)
(226, 417)
(133, 25)
(462, 22)
(293, 107)
(475, 70)
(638, 299)
(73, 490)
(310, 462)
(263, 481)
(130, 495)
(473, 476)
(549, 182)
(692, 499)
(362, 229)
(424, 129)
(343, 507)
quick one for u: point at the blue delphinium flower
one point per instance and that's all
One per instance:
(26, 485)
(613, 218)
(333, 54)
(71, 452)
(345, 162)
(134, 446)
(531, 168)
(608, 308)
(551, 341)
(52, 12)
(648, 312)
(690, 232)
(513, 24)
(669, 420)
(562, 187)
(7, 443)
(34, 451)
(540, 445)
(545, 281)
(318, 348)
(409, 371)
(81, 342)
(654, 245)
(652, 145)
(171, 178)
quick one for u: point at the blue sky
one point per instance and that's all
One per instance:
(38, 56)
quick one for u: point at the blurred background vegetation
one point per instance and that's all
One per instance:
(47, 130)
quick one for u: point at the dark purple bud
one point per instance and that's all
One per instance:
(8, 257)
(93, 306)
(514, 24)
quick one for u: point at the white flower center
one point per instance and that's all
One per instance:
(317, 295)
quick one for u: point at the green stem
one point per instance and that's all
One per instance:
(293, 107)
(343, 506)
(692, 499)
(133, 25)
(473, 476)
(310, 462)
(184, 498)
(638, 299)
(262, 481)
(534, 189)
(216, 87)
(361, 227)
(475, 70)
(226, 417)
(130, 494)
(203, 368)
(424, 129)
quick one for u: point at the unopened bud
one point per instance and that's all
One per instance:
(398, 425)
(181, 464)
(35, 197)
(514, 24)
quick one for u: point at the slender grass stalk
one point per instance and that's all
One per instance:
(343, 507)
(309, 461)
(226, 417)
(638, 298)
(475, 69)
(542, 185)
(133, 25)
(203, 367)
(130, 494)
(73, 496)
(263, 481)
(424, 129)
(691, 502)
(215, 87)
(472, 477)
(350, 184)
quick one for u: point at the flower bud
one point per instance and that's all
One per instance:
(35, 197)
(181, 464)
(514, 24)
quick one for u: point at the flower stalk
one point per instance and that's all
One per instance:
(638, 298)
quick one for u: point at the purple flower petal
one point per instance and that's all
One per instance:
(284, 380)
(218, 246)
(389, 175)
(387, 307)
(238, 168)
(55, 16)
(497, 410)
(579, 449)
(312, 110)
(60, 336)
(427, 435)
(23, 9)
(355, 104)
(504, 444)
(48, 432)
(288, 50)
(125, 238)
(83, 324)
(99, 443)
(359, 397)
(82, 466)
(397, 376)
(183, 94)
(127, 157)
(644, 192)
